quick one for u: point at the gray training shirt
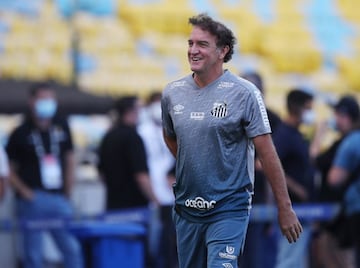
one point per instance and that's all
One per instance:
(213, 127)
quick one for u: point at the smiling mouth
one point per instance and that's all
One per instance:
(195, 59)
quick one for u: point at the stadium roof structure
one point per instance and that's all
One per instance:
(14, 95)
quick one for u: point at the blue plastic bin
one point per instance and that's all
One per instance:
(112, 245)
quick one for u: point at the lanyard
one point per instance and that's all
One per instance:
(39, 145)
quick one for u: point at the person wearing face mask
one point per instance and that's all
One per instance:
(345, 170)
(333, 247)
(123, 164)
(160, 162)
(293, 151)
(40, 152)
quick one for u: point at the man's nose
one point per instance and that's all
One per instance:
(194, 49)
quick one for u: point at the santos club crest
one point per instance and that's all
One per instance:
(219, 109)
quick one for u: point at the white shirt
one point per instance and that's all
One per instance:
(159, 160)
(4, 163)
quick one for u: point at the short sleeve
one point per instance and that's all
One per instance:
(256, 121)
(348, 156)
(137, 153)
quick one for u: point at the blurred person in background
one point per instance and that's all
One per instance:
(213, 121)
(4, 171)
(334, 249)
(294, 153)
(260, 244)
(122, 160)
(345, 169)
(160, 162)
(41, 160)
(123, 163)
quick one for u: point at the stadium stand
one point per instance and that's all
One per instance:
(133, 46)
(118, 47)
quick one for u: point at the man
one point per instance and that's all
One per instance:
(123, 163)
(345, 170)
(160, 162)
(333, 249)
(345, 120)
(294, 153)
(213, 120)
(122, 160)
(41, 159)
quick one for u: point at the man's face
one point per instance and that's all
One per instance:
(132, 116)
(202, 51)
(44, 104)
(343, 122)
(308, 114)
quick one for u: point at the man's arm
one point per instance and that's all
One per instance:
(19, 186)
(171, 144)
(296, 188)
(69, 173)
(288, 221)
(2, 187)
(337, 175)
(143, 180)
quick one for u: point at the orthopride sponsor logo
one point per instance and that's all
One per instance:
(200, 203)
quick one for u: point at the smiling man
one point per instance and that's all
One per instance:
(213, 121)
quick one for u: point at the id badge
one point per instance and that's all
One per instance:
(50, 172)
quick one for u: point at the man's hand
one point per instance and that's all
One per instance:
(27, 194)
(289, 225)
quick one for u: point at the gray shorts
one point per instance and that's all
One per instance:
(210, 245)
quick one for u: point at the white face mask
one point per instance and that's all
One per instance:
(45, 108)
(308, 117)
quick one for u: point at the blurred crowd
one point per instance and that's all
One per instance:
(137, 169)
(38, 158)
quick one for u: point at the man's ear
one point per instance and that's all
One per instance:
(223, 51)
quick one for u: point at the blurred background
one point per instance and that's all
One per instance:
(97, 50)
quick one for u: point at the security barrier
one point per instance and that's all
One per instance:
(310, 211)
(119, 237)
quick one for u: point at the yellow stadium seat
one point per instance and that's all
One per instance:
(350, 69)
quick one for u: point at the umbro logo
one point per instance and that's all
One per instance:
(178, 109)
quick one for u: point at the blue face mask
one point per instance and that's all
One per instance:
(45, 108)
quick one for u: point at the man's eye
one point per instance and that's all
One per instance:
(203, 44)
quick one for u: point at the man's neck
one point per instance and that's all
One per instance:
(42, 124)
(202, 79)
(293, 121)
